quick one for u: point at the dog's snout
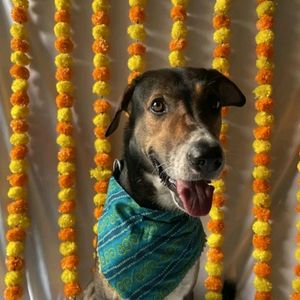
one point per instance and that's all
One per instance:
(205, 158)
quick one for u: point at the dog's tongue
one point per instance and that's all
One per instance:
(196, 196)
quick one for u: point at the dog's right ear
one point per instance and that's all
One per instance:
(122, 107)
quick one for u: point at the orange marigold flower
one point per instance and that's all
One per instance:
(63, 74)
(133, 75)
(261, 213)
(261, 159)
(213, 283)
(263, 296)
(62, 15)
(64, 128)
(17, 179)
(100, 132)
(15, 234)
(98, 212)
(100, 17)
(64, 100)
(263, 132)
(215, 255)
(18, 71)
(260, 186)
(264, 76)
(264, 104)
(298, 208)
(220, 21)
(262, 269)
(66, 234)
(66, 206)
(17, 206)
(19, 45)
(66, 154)
(95, 242)
(261, 242)
(69, 262)
(297, 270)
(19, 125)
(295, 296)
(215, 226)
(101, 74)
(298, 238)
(13, 292)
(14, 263)
(101, 106)
(72, 289)
(137, 14)
(218, 199)
(64, 44)
(264, 22)
(19, 98)
(19, 15)
(66, 181)
(18, 152)
(100, 46)
(264, 49)
(178, 13)
(103, 159)
(223, 139)
(225, 111)
(101, 186)
(136, 49)
(222, 50)
(178, 44)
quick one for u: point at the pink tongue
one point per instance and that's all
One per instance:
(196, 196)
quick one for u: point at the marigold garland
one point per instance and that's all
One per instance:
(101, 88)
(17, 219)
(213, 283)
(262, 147)
(66, 155)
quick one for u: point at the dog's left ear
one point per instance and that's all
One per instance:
(122, 107)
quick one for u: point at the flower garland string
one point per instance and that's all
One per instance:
(178, 33)
(264, 120)
(66, 154)
(215, 255)
(17, 219)
(136, 32)
(101, 88)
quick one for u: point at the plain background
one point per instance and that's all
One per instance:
(42, 257)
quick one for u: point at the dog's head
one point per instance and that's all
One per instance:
(174, 125)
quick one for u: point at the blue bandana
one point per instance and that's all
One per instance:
(145, 253)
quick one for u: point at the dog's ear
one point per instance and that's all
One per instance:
(122, 107)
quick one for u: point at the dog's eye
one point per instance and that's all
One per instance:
(216, 105)
(158, 106)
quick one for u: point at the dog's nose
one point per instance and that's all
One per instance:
(205, 158)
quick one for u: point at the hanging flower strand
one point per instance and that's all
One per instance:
(17, 219)
(262, 146)
(101, 89)
(215, 255)
(136, 31)
(66, 154)
(178, 34)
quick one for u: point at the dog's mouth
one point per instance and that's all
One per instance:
(193, 197)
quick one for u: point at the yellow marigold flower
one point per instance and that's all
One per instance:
(63, 60)
(137, 32)
(18, 166)
(264, 63)
(65, 140)
(100, 174)
(262, 284)
(261, 172)
(221, 35)
(221, 64)
(19, 112)
(262, 199)
(216, 213)
(298, 196)
(261, 228)
(99, 199)
(221, 6)
(100, 60)
(213, 296)
(102, 146)
(69, 276)
(297, 254)
(264, 36)
(65, 87)
(19, 85)
(66, 220)
(264, 90)
(100, 31)
(219, 184)
(67, 248)
(137, 2)
(64, 114)
(265, 7)
(21, 3)
(16, 192)
(62, 4)
(263, 118)
(183, 3)
(177, 59)
(13, 278)
(98, 5)
(102, 120)
(95, 228)
(101, 88)
(298, 225)
(18, 220)
(298, 166)
(65, 167)
(262, 255)
(214, 269)
(215, 240)
(20, 58)
(260, 146)
(62, 29)
(19, 139)
(66, 194)
(14, 248)
(136, 63)
(179, 30)
(224, 127)
(296, 285)
(18, 31)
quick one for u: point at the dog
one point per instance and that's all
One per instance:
(171, 152)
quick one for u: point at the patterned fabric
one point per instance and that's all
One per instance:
(145, 253)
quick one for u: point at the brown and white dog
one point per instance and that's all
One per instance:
(171, 148)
